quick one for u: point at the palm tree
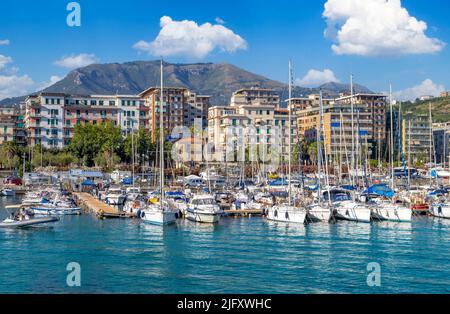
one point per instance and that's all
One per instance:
(312, 152)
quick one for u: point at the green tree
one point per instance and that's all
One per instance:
(312, 152)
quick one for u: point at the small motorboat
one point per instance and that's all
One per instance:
(115, 197)
(24, 218)
(8, 192)
(204, 208)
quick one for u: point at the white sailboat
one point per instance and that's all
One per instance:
(320, 211)
(288, 212)
(347, 208)
(160, 213)
(386, 209)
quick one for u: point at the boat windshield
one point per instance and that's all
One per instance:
(204, 201)
(337, 196)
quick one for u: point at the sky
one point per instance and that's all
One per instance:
(402, 42)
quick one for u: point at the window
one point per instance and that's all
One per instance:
(68, 122)
(112, 103)
(100, 102)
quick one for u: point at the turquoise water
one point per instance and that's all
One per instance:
(239, 255)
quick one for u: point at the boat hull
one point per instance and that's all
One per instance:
(392, 213)
(353, 212)
(43, 211)
(286, 214)
(318, 213)
(158, 217)
(440, 210)
(26, 223)
(203, 217)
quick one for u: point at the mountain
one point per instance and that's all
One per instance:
(338, 88)
(217, 80)
(440, 108)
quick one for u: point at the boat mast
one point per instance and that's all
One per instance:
(391, 137)
(409, 153)
(161, 140)
(431, 139)
(353, 130)
(325, 149)
(290, 132)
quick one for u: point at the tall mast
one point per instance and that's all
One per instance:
(325, 149)
(290, 131)
(431, 139)
(353, 129)
(391, 137)
(161, 139)
(409, 153)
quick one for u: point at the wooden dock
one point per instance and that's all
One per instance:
(91, 204)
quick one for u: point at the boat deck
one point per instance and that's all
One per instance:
(91, 204)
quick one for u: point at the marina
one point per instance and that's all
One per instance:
(234, 256)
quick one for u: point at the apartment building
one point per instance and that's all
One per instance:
(257, 124)
(367, 130)
(12, 126)
(313, 100)
(50, 118)
(441, 137)
(180, 107)
(253, 95)
(417, 140)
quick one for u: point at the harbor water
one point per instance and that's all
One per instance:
(238, 255)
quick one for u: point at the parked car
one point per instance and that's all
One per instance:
(13, 180)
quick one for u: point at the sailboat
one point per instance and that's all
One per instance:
(345, 206)
(383, 205)
(160, 213)
(320, 211)
(288, 212)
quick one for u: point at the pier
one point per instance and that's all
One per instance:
(91, 204)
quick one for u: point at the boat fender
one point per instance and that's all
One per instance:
(440, 209)
(138, 213)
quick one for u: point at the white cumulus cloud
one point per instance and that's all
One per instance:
(376, 27)
(316, 78)
(187, 38)
(76, 61)
(426, 88)
(4, 60)
(14, 85)
(4, 42)
(52, 80)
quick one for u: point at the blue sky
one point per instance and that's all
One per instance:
(259, 36)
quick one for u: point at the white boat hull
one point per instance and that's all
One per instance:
(318, 212)
(391, 212)
(8, 192)
(352, 211)
(286, 213)
(156, 216)
(43, 211)
(201, 216)
(440, 210)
